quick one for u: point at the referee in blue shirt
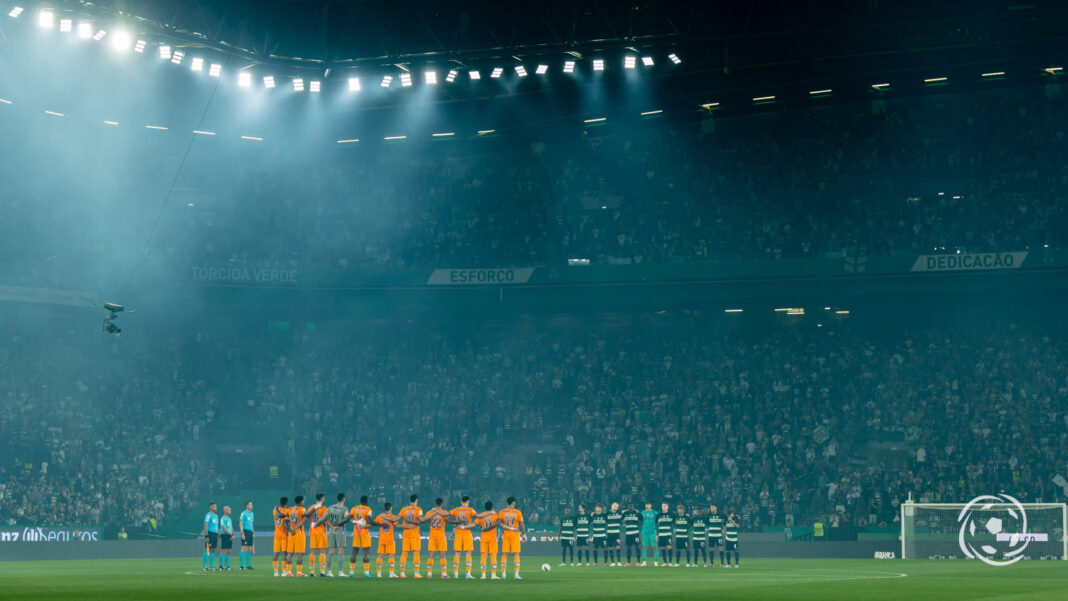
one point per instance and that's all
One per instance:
(211, 536)
(248, 538)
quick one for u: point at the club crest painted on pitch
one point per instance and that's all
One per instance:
(996, 535)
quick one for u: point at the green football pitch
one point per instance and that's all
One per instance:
(771, 579)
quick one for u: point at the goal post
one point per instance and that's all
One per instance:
(997, 530)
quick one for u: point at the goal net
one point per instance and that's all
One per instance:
(997, 530)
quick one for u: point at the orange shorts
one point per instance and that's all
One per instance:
(463, 541)
(438, 543)
(488, 544)
(361, 540)
(280, 542)
(411, 542)
(510, 543)
(387, 546)
(318, 540)
(296, 543)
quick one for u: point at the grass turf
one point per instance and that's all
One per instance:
(757, 579)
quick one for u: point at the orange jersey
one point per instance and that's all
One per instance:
(487, 522)
(464, 516)
(280, 521)
(360, 512)
(319, 528)
(510, 517)
(411, 514)
(385, 528)
(296, 515)
(437, 525)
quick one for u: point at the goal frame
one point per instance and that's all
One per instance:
(910, 504)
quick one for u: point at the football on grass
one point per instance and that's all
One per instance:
(546, 567)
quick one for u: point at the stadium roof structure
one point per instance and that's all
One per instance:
(749, 47)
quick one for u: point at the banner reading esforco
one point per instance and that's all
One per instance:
(970, 262)
(480, 277)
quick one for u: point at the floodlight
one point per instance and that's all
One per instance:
(46, 19)
(521, 71)
(244, 79)
(298, 85)
(451, 77)
(598, 64)
(65, 25)
(406, 79)
(647, 61)
(354, 84)
(497, 72)
(15, 12)
(140, 46)
(314, 86)
(268, 81)
(542, 69)
(430, 77)
(197, 64)
(85, 30)
(121, 40)
(474, 75)
(386, 80)
(100, 35)
(165, 52)
(569, 66)
(674, 58)
(215, 70)
(177, 57)
(630, 61)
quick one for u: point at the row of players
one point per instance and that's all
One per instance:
(672, 534)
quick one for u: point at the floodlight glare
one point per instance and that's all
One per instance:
(474, 75)
(268, 82)
(542, 69)
(197, 64)
(177, 57)
(46, 19)
(647, 61)
(65, 25)
(497, 72)
(451, 77)
(85, 30)
(674, 58)
(215, 70)
(15, 12)
(629, 62)
(386, 80)
(120, 40)
(431, 78)
(140, 46)
(244, 79)
(598, 64)
(298, 85)
(165, 52)
(354, 84)
(314, 86)
(406, 79)
(100, 35)
(569, 66)
(521, 71)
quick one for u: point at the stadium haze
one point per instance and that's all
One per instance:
(532, 301)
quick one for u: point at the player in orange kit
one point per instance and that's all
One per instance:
(411, 517)
(515, 531)
(295, 541)
(317, 534)
(487, 521)
(437, 543)
(361, 536)
(280, 515)
(387, 545)
(462, 542)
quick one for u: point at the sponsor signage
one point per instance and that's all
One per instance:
(480, 277)
(885, 555)
(48, 535)
(970, 261)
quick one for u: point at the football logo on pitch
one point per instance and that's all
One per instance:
(983, 537)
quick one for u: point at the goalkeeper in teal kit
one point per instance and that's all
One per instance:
(649, 533)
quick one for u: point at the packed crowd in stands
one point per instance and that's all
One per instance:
(785, 424)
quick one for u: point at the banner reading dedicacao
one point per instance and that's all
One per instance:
(480, 277)
(969, 262)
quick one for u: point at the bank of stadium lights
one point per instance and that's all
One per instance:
(298, 85)
(66, 25)
(139, 47)
(85, 30)
(598, 64)
(46, 19)
(520, 70)
(474, 74)
(244, 79)
(100, 35)
(120, 41)
(15, 12)
(406, 80)
(630, 61)
(451, 76)
(354, 84)
(386, 80)
(315, 86)
(569, 66)
(215, 70)
(497, 72)
(268, 81)
(165, 53)
(542, 69)
(647, 61)
(674, 58)
(177, 56)
(197, 64)
(430, 77)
